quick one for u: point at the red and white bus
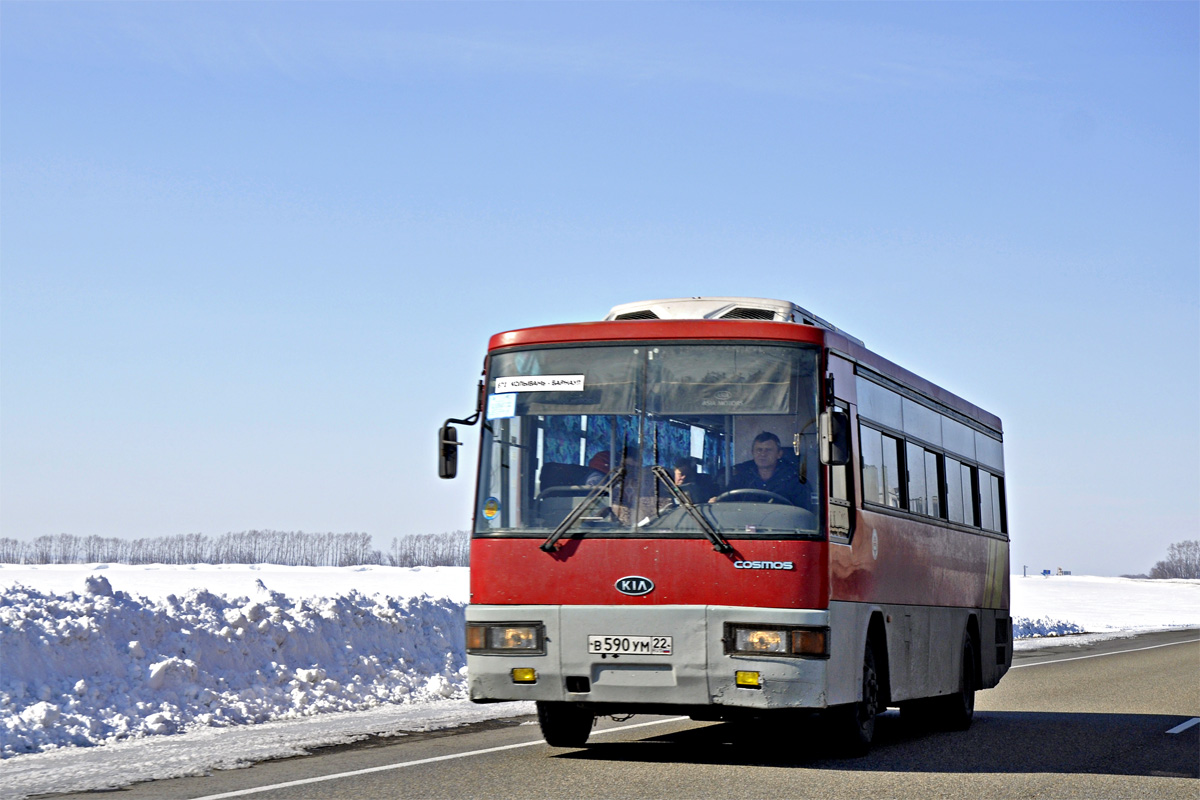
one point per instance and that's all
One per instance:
(726, 507)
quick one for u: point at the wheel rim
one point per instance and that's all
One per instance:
(869, 706)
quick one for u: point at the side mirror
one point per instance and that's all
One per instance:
(448, 445)
(834, 437)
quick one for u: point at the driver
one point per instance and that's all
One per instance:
(768, 471)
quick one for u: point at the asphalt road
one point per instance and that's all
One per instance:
(1089, 722)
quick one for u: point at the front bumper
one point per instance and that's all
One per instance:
(698, 673)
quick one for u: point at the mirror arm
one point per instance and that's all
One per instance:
(474, 418)
(448, 439)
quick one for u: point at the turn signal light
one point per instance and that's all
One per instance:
(809, 643)
(524, 675)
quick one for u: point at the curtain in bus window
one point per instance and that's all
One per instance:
(714, 453)
(726, 379)
(606, 432)
(563, 435)
(672, 441)
(609, 379)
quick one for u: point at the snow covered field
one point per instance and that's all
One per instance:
(121, 656)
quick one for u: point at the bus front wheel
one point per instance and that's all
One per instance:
(564, 724)
(855, 723)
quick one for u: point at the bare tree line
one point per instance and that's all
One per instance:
(1182, 561)
(290, 548)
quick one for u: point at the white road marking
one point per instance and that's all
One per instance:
(1185, 726)
(1102, 655)
(418, 762)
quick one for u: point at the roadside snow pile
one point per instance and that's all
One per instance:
(84, 668)
(92, 654)
(1025, 628)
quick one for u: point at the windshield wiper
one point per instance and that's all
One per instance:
(719, 543)
(581, 509)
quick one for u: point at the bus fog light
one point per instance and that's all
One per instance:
(524, 675)
(747, 680)
(749, 640)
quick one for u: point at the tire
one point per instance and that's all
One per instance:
(564, 724)
(954, 712)
(854, 724)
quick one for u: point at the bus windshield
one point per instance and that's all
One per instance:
(655, 439)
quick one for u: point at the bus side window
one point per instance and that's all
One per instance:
(970, 497)
(998, 501)
(841, 505)
(915, 467)
(986, 520)
(880, 467)
(839, 475)
(871, 453)
(839, 482)
(892, 477)
(991, 502)
(933, 483)
(954, 490)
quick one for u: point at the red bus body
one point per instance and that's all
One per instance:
(911, 582)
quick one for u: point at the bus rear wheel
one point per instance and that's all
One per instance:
(955, 711)
(854, 724)
(564, 724)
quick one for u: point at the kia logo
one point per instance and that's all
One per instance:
(635, 585)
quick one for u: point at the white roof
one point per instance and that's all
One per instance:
(722, 308)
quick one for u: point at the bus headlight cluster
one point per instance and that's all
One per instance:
(504, 638)
(776, 640)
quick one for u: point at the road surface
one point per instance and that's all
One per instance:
(1066, 722)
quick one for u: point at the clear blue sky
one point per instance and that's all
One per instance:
(252, 254)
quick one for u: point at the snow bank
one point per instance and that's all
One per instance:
(106, 654)
(159, 580)
(95, 666)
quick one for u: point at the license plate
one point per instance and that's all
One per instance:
(630, 645)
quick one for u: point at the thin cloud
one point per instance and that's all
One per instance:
(804, 55)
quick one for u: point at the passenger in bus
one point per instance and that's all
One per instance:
(769, 471)
(697, 486)
(632, 497)
(599, 464)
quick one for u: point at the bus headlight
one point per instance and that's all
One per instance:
(751, 640)
(517, 638)
(776, 640)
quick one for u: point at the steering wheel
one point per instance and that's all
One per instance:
(734, 495)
